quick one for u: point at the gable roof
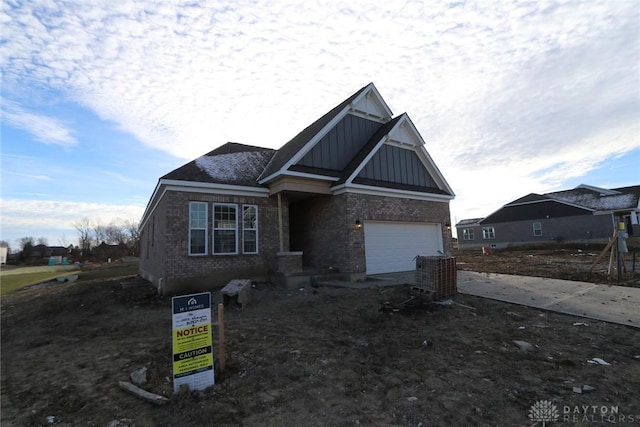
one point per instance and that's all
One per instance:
(283, 159)
(602, 200)
(582, 200)
(231, 163)
(351, 135)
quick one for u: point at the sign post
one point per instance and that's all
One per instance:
(192, 346)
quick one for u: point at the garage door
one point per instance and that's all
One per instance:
(392, 246)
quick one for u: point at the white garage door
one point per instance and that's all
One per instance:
(392, 246)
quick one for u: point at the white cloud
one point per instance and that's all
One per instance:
(47, 130)
(23, 218)
(523, 95)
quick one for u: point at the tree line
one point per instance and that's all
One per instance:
(95, 240)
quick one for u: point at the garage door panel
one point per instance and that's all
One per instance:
(393, 246)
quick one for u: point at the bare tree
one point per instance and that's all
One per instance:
(99, 233)
(83, 226)
(63, 241)
(115, 233)
(43, 241)
(134, 236)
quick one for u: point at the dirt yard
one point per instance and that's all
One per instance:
(321, 356)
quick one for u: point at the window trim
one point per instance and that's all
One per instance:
(488, 233)
(244, 251)
(468, 234)
(537, 229)
(213, 229)
(205, 229)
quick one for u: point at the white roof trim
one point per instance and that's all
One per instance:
(371, 105)
(309, 175)
(602, 191)
(210, 187)
(389, 192)
(548, 199)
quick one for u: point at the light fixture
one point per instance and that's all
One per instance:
(358, 224)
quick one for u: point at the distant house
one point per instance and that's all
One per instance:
(106, 252)
(355, 192)
(42, 253)
(4, 252)
(585, 214)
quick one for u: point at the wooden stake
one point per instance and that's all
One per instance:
(611, 261)
(604, 251)
(221, 336)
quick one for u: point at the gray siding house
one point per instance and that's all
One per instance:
(354, 193)
(585, 214)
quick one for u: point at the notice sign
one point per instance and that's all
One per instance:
(192, 347)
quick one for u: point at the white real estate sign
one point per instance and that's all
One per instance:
(192, 345)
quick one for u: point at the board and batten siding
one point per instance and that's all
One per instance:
(338, 147)
(398, 165)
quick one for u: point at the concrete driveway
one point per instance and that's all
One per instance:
(617, 304)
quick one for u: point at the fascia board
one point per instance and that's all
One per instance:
(151, 206)
(575, 205)
(207, 187)
(309, 175)
(389, 192)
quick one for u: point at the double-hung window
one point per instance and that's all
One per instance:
(468, 234)
(225, 229)
(488, 233)
(537, 229)
(197, 228)
(249, 229)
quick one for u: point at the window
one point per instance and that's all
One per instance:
(468, 234)
(488, 233)
(197, 228)
(225, 228)
(537, 229)
(250, 229)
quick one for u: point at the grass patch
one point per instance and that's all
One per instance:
(123, 270)
(16, 279)
(13, 282)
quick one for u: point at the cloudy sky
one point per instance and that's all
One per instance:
(100, 98)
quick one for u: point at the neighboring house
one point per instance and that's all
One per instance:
(585, 214)
(42, 253)
(106, 252)
(354, 193)
(4, 251)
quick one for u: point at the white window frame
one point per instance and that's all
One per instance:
(205, 228)
(488, 233)
(245, 229)
(537, 231)
(214, 228)
(468, 234)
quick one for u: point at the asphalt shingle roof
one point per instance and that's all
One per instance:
(231, 163)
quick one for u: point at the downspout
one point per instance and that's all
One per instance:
(281, 231)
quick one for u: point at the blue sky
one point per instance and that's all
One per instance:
(99, 99)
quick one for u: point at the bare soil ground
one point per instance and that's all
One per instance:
(320, 356)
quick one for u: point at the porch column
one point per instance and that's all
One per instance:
(280, 230)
